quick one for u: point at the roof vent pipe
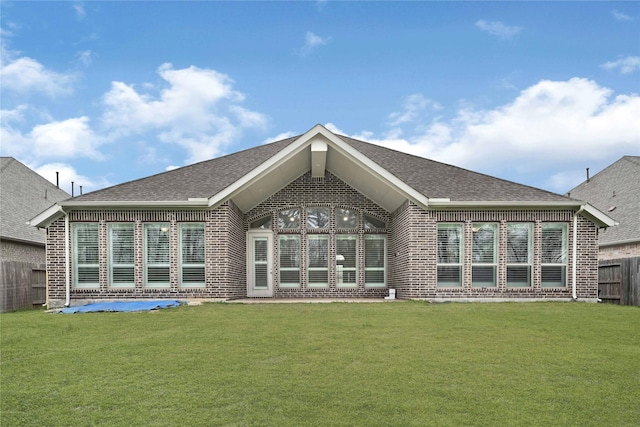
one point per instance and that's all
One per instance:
(587, 174)
(71, 188)
(58, 179)
(81, 190)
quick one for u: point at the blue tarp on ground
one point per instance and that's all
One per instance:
(122, 306)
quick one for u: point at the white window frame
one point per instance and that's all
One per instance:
(114, 264)
(459, 264)
(476, 228)
(77, 265)
(563, 264)
(192, 265)
(311, 284)
(282, 284)
(162, 226)
(529, 262)
(382, 284)
(340, 269)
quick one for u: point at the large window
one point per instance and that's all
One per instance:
(483, 258)
(375, 255)
(449, 262)
(317, 217)
(156, 245)
(519, 255)
(289, 248)
(346, 260)
(554, 255)
(86, 272)
(121, 255)
(318, 260)
(192, 255)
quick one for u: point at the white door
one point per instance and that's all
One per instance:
(259, 264)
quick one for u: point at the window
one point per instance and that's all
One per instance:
(86, 273)
(263, 223)
(346, 219)
(346, 260)
(519, 255)
(289, 218)
(373, 223)
(449, 261)
(483, 258)
(289, 246)
(156, 243)
(121, 255)
(554, 255)
(318, 257)
(375, 260)
(192, 255)
(317, 217)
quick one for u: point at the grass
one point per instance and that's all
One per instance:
(408, 363)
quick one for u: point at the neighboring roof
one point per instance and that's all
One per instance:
(616, 191)
(23, 194)
(385, 176)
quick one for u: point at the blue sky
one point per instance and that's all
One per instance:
(108, 92)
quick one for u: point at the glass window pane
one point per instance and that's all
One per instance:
(346, 251)
(449, 275)
(121, 239)
(484, 243)
(375, 260)
(518, 276)
(373, 223)
(289, 218)
(157, 254)
(449, 239)
(192, 271)
(483, 275)
(554, 249)
(289, 248)
(262, 223)
(86, 272)
(318, 249)
(518, 243)
(317, 217)
(346, 218)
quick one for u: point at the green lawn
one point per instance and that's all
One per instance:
(391, 364)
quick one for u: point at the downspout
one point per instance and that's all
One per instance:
(67, 275)
(575, 253)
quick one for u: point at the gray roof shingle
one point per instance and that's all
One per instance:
(23, 195)
(431, 178)
(616, 191)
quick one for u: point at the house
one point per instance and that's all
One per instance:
(616, 191)
(23, 194)
(321, 215)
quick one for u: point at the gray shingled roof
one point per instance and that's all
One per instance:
(23, 195)
(616, 191)
(433, 179)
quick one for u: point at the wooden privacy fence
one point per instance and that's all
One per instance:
(619, 281)
(22, 285)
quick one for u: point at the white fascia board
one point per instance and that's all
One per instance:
(45, 218)
(374, 168)
(445, 203)
(269, 165)
(318, 157)
(599, 217)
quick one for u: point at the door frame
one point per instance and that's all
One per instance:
(251, 291)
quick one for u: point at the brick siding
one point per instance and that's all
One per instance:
(411, 248)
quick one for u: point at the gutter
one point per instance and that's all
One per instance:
(574, 265)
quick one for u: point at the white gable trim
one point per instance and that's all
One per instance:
(320, 139)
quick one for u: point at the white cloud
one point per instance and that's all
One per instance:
(197, 109)
(550, 124)
(414, 106)
(68, 174)
(78, 8)
(311, 42)
(619, 16)
(279, 137)
(625, 65)
(84, 58)
(26, 75)
(64, 139)
(498, 29)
